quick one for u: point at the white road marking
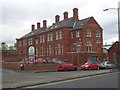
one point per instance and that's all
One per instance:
(67, 80)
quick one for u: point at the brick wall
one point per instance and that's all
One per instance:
(11, 58)
(113, 52)
(29, 67)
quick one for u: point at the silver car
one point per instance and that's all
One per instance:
(106, 64)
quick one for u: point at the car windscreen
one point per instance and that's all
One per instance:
(87, 63)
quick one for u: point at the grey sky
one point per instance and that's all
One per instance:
(18, 15)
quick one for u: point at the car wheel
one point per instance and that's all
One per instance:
(98, 68)
(106, 67)
(75, 69)
(89, 68)
(81, 69)
(65, 69)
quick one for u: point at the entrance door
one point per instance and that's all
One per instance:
(94, 59)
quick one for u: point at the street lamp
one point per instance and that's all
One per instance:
(110, 8)
(118, 10)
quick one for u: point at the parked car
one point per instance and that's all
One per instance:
(67, 66)
(106, 64)
(29, 62)
(89, 66)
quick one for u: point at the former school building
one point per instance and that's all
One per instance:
(74, 39)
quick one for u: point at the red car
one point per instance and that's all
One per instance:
(90, 65)
(28, 62)
(67, 66)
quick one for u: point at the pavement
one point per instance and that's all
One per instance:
(22, 79)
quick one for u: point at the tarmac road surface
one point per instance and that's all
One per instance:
(99, 81)
(17, 79)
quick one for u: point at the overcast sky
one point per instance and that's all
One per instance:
(17, 16)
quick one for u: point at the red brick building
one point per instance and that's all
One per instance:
(113, 52)
(74, 39)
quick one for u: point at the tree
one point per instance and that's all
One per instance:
(11, 47)
(4, 47)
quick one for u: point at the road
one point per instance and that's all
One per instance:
(100, 81)
(15, 79)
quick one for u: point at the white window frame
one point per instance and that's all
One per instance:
(89, 47)
(36, 41)
(98, 40)
(57, 35)
(72, 35)
(59, 49)
(48, 37)
(98, 34)
(36, 51)
(77, 33)
(40, 38)
(51, 37)
(88, 33)
(78, 48)
(60, 34)
(43, 38)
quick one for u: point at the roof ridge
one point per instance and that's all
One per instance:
(70, 22)
(86, 18)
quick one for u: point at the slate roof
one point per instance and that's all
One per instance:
(70, 22)
(107, 46)
(117, 42)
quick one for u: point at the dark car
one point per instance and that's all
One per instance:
(89, 66)
(67, 66)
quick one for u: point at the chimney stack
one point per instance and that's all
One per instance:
(33, 27)
(65, 15)
(75, 14)
(44, 24)
(57, 18)
(38, 25)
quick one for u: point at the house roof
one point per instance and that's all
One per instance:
(80, 23)
(106, 46)
(70, 22)
(114, 44)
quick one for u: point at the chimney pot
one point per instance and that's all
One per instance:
(38, 25)
(33, 27)
(44, 24)
(57, 18)
(65, 15)
(75, 14)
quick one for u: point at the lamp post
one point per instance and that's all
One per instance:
(118, 10)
